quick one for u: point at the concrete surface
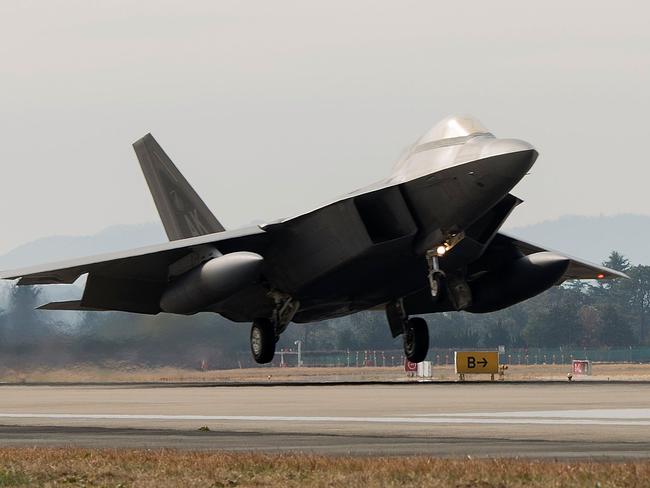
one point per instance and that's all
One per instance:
(478, 419)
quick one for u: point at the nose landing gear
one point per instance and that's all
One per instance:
(414, 330)
(436, 275)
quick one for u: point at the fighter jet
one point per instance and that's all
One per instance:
(424, 240)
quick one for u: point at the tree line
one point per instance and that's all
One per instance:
(586, 314)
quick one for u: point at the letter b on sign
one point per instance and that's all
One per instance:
(471, 362)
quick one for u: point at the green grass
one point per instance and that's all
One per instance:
(13, 478)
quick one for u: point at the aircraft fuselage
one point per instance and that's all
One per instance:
(367, 248)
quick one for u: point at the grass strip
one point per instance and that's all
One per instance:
(160, 468)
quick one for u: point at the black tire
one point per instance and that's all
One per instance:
(263, 341)
(416, 339)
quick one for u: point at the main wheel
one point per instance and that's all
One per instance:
(416, 339)
(263, 341)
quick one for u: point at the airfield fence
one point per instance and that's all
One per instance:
(440, 356)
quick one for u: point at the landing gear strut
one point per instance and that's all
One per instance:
(436, 275)
(414, 331)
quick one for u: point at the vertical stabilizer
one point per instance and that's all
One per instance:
(181, 210)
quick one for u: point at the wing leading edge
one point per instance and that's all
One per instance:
(138, 262)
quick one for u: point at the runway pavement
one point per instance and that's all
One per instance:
(479, 419)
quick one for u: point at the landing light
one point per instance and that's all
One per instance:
(600, 276)
(441, 250)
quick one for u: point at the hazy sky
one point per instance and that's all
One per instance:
(270, 108)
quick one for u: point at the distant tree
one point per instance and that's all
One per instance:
(577, 285)
(590, 320)
(617, 261)
(452, 329)
(614, 329)
(603, 312)
(20, 321)
(619, 292)
(639, 297)
(556, 326)
(497, 335)
(347, 340)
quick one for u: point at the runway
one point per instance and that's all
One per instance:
(556, 420)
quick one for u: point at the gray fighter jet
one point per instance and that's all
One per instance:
(424, 240)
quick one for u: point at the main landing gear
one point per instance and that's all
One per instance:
(265, 332)
(263, 339)
(414, 330)
(416, 339)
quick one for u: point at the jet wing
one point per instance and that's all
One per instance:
(578, 269)
(147, 263)
(134, 280)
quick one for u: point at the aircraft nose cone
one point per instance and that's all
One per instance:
(514, 165)
(511, 158)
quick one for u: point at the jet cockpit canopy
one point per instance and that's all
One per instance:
(452, 127)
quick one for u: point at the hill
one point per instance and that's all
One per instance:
(57, 248)
(591, 238)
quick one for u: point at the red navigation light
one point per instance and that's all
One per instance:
(600, 276)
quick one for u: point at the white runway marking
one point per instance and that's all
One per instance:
(618, 417)
(592, 413)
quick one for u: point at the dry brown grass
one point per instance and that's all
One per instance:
(120, 373)
(158, 468)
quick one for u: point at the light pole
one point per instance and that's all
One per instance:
(299, 344)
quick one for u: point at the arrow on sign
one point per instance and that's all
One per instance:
(483, 362)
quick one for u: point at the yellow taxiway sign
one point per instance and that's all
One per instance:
(477, 362)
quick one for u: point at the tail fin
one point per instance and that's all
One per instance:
(181, 210)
